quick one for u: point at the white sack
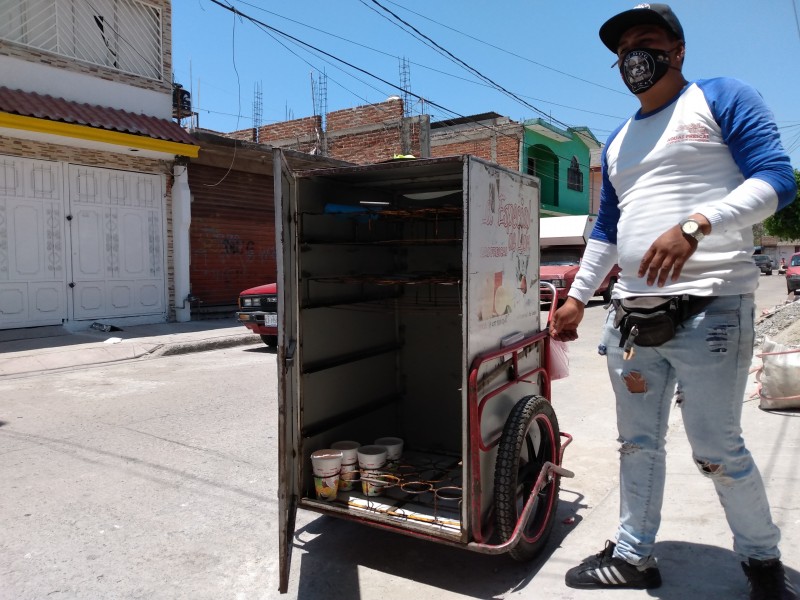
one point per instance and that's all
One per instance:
(779, 376)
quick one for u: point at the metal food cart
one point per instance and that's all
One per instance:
(409, 306)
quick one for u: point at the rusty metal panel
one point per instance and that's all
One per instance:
(232, 234)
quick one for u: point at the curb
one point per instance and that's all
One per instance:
(175, 348)
(100, 353)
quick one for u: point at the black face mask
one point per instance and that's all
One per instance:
(642, 68)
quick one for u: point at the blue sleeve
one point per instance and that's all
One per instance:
(605, 228)
(749, 130)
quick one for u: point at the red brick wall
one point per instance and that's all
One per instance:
(385, 113)
(501, 148)
(307, 126)
(298, 134)
(366, 134)
(366, 148)
(361, 135)
(242, 134)
(508, 152)
(481, 148)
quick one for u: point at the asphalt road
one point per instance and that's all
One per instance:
(157, 479)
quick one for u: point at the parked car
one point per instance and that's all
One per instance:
(559, 265)
(764, 263)
(258, 311)
(793, 274)
(562, 241)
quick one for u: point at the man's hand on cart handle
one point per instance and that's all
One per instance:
(564, 326)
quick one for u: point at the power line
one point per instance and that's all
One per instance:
(533, 62)
(266, 27)
(796, 19)
(472, 69)
(236, 11)
(439, 71)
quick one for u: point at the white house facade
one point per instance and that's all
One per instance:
(91, 167)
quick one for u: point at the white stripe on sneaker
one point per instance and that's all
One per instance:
(601, 575)
(620, 577)
(610, 576)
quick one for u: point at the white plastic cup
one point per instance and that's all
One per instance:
(326, 464)
(349, 450)
(371, 457)
(394, 447)
(349, 474)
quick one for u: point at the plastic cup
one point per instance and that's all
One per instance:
(326, 462)
(371, 457)
(349, 474)
(349, 451)
(327, 465)
(394, 447)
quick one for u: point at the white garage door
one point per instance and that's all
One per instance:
(32, 244)
(117, 243)
(85, 249)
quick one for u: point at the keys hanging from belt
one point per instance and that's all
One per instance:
(628, 351)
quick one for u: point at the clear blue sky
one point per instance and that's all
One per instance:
(547, 54)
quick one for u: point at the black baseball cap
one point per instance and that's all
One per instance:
(641, 14)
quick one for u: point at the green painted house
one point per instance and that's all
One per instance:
(562, 160)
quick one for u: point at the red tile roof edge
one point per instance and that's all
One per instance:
(41, 106)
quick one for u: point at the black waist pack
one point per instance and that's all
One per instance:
(652, 320)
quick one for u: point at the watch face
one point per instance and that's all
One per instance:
(690, 227)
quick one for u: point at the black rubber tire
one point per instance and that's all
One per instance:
(531, 430)
(270, 340)
(609, 289)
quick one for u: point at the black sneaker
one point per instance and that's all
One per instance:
(604, 570)
(768, 580)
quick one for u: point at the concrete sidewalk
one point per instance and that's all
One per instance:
(40, 349)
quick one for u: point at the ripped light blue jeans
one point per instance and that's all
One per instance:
(710, 356)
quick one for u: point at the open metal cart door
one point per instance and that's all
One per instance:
(287, 374)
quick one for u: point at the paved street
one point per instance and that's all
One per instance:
(157, 479)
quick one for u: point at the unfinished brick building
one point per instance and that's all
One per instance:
(362, 134)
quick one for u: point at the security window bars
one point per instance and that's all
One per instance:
(575, 175)
(119, 34)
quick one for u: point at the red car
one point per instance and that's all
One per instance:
(559, 265)
(258, 311)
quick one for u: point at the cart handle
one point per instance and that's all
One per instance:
(553, 305)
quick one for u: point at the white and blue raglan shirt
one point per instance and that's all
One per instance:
(713, 150)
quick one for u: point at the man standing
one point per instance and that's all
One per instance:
(684, 180)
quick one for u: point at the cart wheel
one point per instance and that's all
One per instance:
(530, 438)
